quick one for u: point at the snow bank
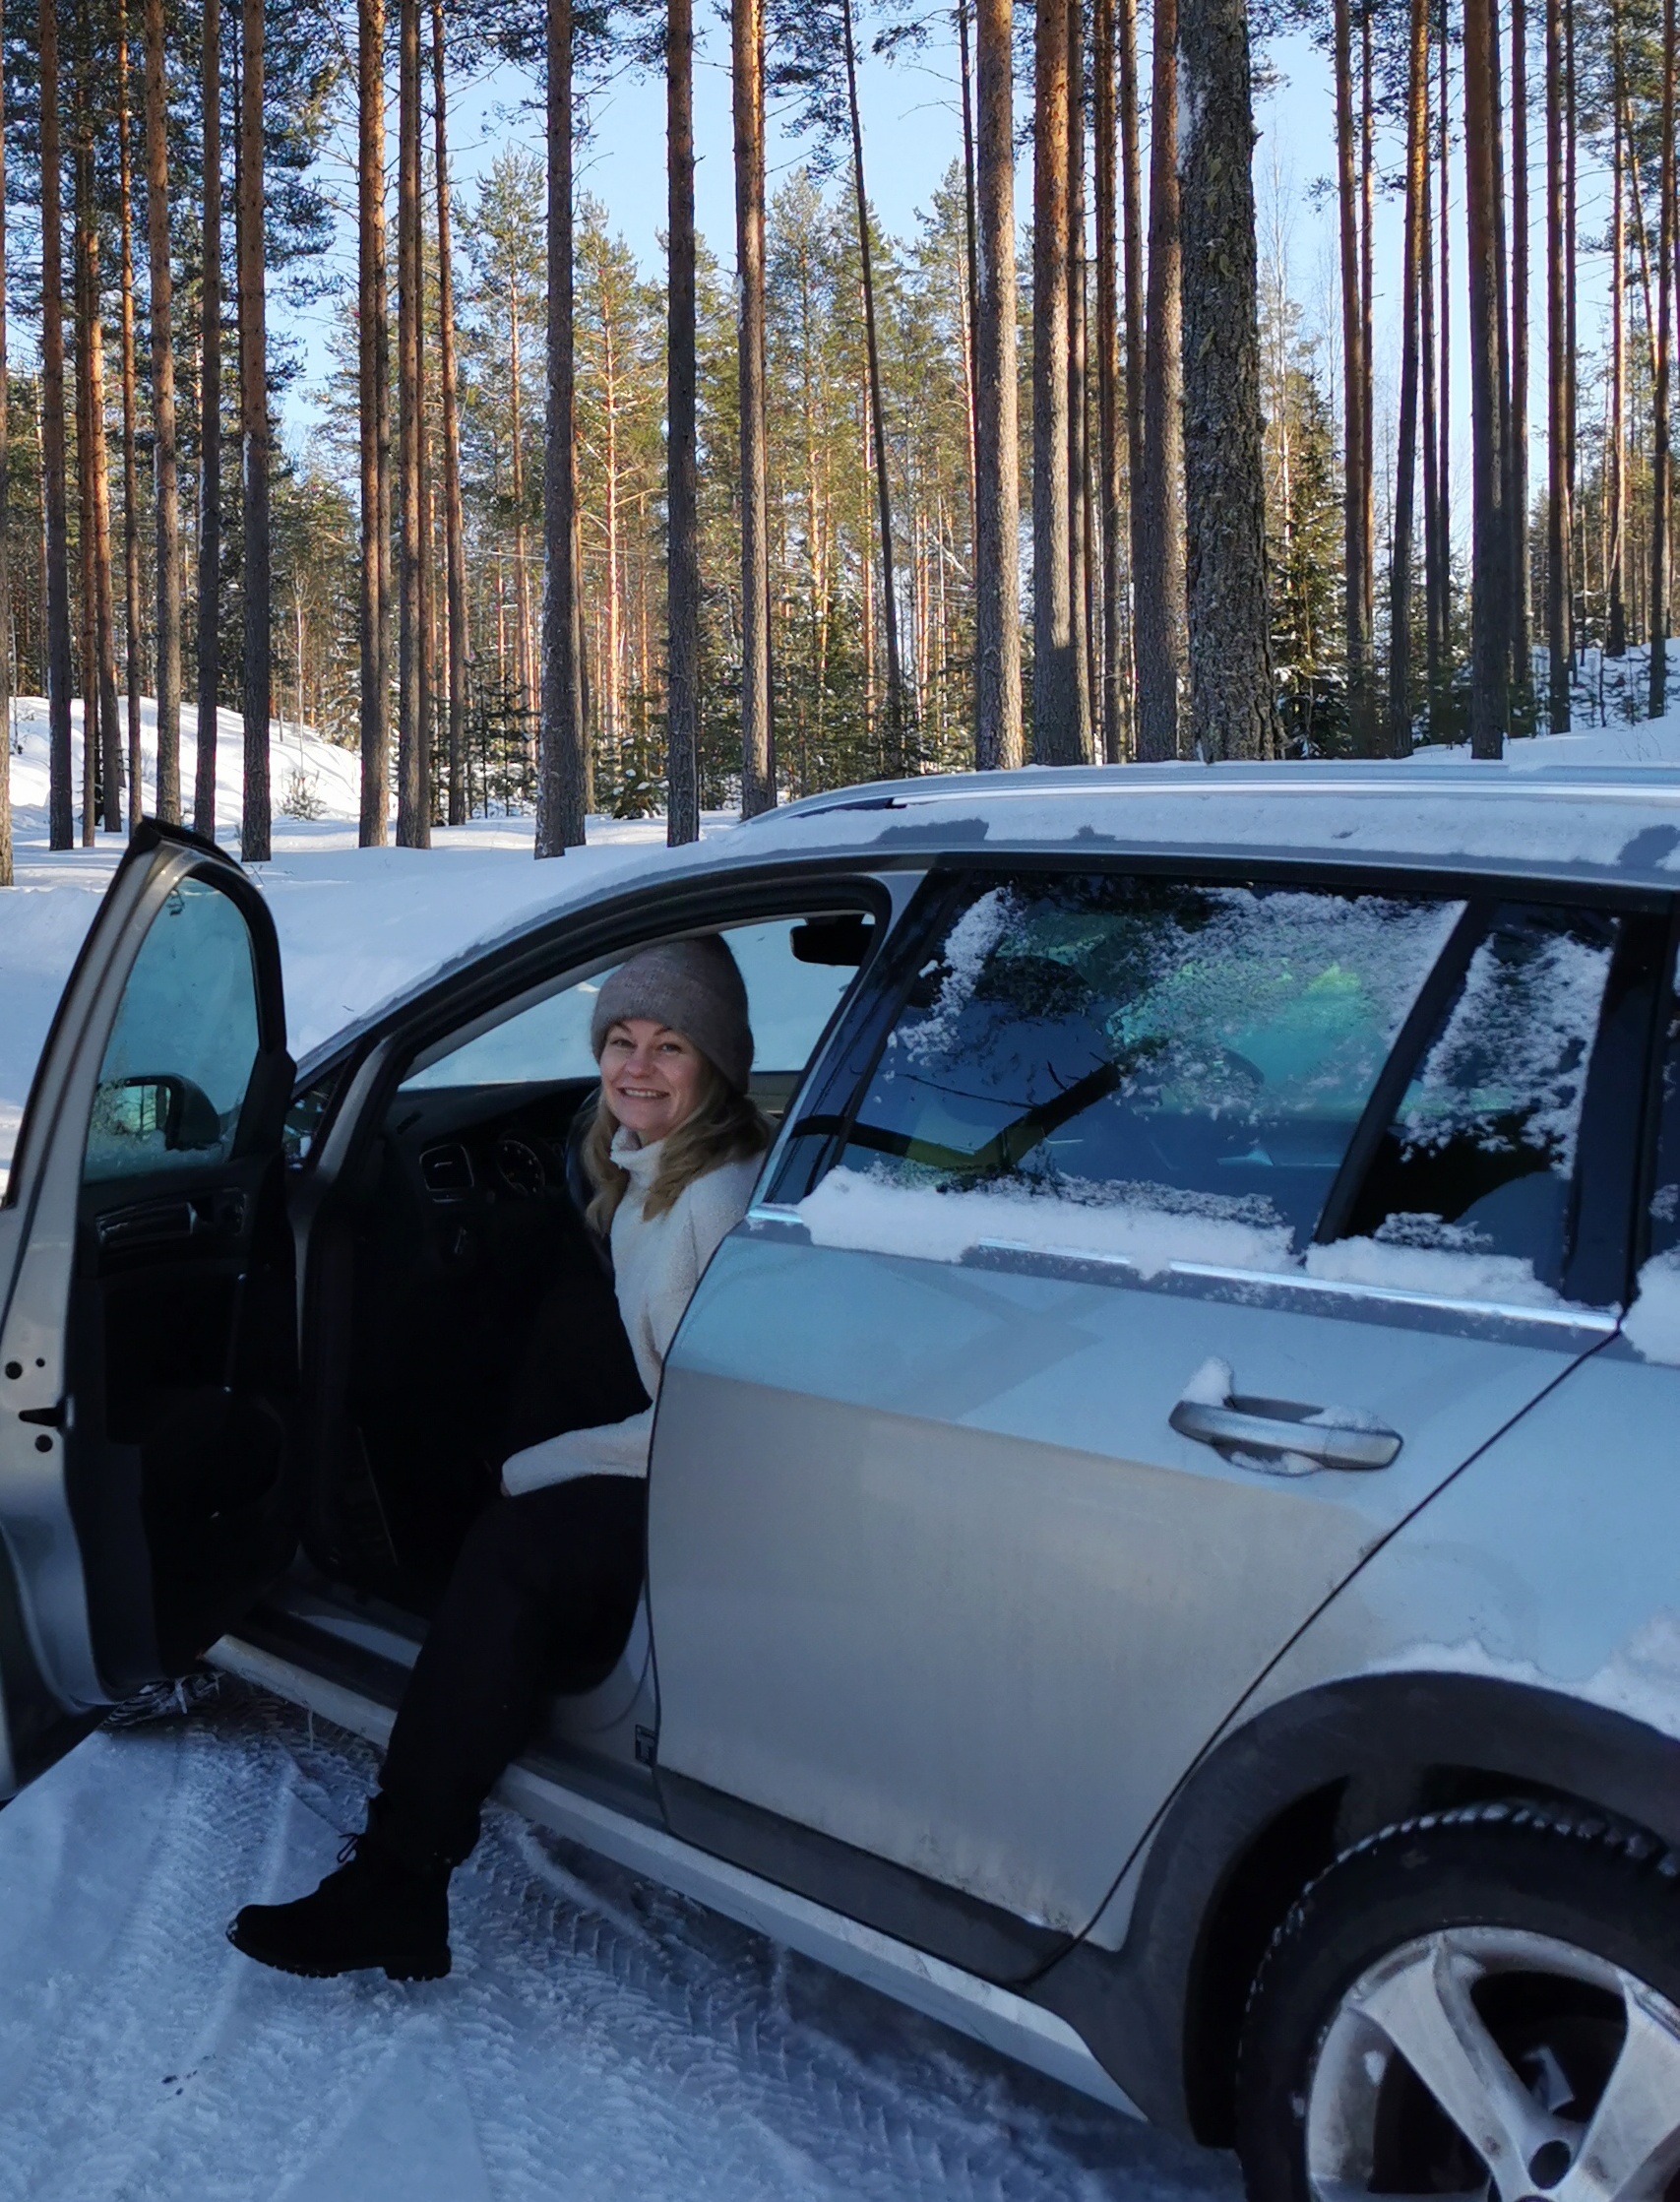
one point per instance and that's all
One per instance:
(317, 779)
(599, 2038)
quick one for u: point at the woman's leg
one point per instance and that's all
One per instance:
(552, 1572)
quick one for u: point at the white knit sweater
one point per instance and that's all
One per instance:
(656, 1262)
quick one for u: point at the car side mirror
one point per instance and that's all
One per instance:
(163, 1103)
(843, 941)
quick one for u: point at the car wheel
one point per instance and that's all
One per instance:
(1482, 2003)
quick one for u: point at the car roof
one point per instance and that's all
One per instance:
(1580, 822)
(1576, 824)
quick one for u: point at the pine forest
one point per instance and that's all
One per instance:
(1081, 466)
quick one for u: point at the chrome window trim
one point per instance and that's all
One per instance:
(1570, 1328)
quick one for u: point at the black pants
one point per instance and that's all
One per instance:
(546, 1581)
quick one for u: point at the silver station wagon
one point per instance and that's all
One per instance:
(1164, 1517)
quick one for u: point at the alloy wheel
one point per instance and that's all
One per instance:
(1499, 2066)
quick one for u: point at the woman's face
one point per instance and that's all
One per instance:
(651, 1077)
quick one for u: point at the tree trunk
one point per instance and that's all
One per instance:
(1158, 543)
(55, 550)
(413, 811)
(453, 519)
(561, 790)
(81, 166)
(1079, 391)
(521, 578)
(877, 411)
(1132, 236)
(758, 769)
(1660, 458)
(1406, 466)
(1439, 697)
(997, 515)
(1558, 526)
(1355, 386)
(6, 873)
(1490, 564)
(130, 469)
(1114, 666)
(1233, 710)
(1433, 580)
(1520, 602)
(682, 543)
(1572, 370)
(1055, 679)
(373, 367)
(256, 683)
(1367, 352)
(1616, 643)
(104, 609)
(210, 427)
(101, 731)
(970, 221)
(164, 457)
(1502, 294)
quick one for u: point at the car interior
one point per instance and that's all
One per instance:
(471, 1302)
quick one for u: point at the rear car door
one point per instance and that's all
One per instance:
(147, 1363)
(1164, 1244)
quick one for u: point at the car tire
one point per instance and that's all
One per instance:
(1526, 1958)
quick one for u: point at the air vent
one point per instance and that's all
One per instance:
(447, 1170)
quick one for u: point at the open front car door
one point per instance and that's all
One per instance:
(147, 1354)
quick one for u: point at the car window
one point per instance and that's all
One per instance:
(788, 1000)
(1479, 1164)
(179, 1059)
(1662, 1227)
(1142, 1064)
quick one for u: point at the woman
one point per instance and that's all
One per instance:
(557, 1560)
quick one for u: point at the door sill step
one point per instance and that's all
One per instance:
(1003, 2021)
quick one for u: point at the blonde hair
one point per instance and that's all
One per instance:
(723, 1126)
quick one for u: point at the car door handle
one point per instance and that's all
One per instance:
(1325, 1444)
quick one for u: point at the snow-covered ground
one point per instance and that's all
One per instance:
(598, 2039)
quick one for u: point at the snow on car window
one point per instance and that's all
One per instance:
(1472, 1180)
(1511, 1062)
(1139, 1060)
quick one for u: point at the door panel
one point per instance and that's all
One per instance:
(937, 1566)
(885, 1606)
(147, 1361)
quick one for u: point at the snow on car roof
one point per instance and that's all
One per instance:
(1570, 821)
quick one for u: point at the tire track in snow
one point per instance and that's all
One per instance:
(601, 2038)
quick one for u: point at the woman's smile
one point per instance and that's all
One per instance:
(651, 1077)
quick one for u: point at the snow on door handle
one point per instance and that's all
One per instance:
(1278, 1437)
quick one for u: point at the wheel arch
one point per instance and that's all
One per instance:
(1273, 1804)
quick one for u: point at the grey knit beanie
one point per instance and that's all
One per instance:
(695, 986)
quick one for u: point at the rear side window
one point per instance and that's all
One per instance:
(1159, 1069)
(1479, 1164)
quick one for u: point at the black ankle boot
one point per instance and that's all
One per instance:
(380, 1909)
